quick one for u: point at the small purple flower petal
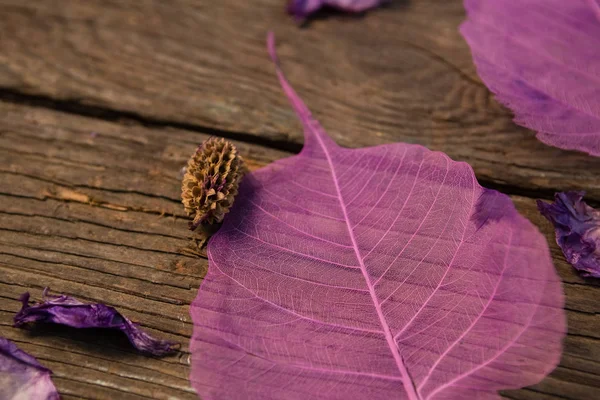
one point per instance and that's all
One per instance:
(22, 376)
(68, 311)
(303, 8)
(492, 206)
(577, 230)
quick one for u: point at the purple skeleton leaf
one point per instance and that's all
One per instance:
(379, 273)
(595, 6)
(541, 59)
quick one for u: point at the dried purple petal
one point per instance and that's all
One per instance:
(22, 376)
(303, 8)
(577, 230)
(491, 206)
(69, 311)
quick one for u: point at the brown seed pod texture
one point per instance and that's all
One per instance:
(211, 181)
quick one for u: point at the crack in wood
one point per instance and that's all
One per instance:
(79, 108)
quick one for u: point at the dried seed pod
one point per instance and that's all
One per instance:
(211, 182)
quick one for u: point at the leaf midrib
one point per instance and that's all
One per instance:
(407, 382)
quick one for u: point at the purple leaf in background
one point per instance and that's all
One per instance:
(379, 273)
(577, 228)
(303, 8)
(22, 376)
(541, 59)
(69, 311)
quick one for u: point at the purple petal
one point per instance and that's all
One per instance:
(22, 376)
(303, 8)
(69, 311)
(491, 206)
(377, 273)
(541, 59)
(577, 228)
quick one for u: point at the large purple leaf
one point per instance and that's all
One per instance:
(377, 273)
(541, 59)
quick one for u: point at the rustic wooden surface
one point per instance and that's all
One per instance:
(102, 102)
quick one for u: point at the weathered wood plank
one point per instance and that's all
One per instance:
(98, 217)
(397, 74)
(79, 213)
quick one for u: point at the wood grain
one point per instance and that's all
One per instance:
(98, 217)
(402, 73)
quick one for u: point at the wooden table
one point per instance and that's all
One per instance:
(103, 101)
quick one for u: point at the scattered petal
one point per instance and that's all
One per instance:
(303, 8)
(69, 311)
(22, 376)
(577, 228)
(491, 206)
(541, 59)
